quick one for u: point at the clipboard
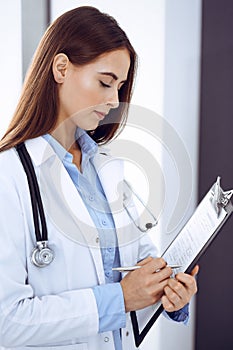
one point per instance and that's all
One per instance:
(187, 248)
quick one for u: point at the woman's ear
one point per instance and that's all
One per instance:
(60, 65)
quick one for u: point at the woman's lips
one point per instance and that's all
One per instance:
(100, 115)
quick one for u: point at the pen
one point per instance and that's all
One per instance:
(132, 268)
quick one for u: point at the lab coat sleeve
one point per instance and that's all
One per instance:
(26, 319)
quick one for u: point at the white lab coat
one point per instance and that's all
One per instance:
(54, 307)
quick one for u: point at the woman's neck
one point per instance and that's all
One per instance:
(77, 155)
(64, 133)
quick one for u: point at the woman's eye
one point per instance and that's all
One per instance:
(104, 85)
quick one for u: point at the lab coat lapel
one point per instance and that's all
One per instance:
(67, 209)
(111, 174)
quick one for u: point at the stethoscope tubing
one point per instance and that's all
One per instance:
(148, 225)
(37, 205)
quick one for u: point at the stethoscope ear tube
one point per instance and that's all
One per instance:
(42, 255)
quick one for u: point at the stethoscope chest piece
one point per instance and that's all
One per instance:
(42, 255)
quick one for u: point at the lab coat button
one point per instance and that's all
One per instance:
(106, 339)
(127, 333)
(97, 240)
(91, 198)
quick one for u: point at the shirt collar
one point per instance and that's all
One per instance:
(57, 147)
(88, 146)
(86, 143)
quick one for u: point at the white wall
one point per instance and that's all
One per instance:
(10, 60)
(181, 110)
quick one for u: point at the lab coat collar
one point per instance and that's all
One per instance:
(39, 150)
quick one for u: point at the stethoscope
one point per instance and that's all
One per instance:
(42, 255)
(148, 225)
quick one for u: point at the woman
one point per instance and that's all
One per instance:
(74, 100)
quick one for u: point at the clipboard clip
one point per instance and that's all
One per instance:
(220, 199)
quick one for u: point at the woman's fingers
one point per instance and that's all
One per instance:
(145, 286)
(152, 282)
(179, 290)
(195, 270)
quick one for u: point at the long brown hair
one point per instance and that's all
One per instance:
(83, 34)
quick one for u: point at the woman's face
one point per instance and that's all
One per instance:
(89, 92)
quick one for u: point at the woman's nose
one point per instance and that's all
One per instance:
(113, 99)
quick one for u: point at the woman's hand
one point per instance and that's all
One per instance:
(144, 287)
(179, 290)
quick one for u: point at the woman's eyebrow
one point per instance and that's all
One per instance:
(114, 76)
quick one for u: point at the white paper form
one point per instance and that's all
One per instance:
(187, 247)
(195, 234)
